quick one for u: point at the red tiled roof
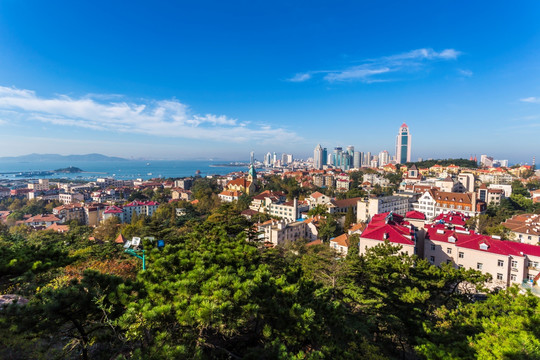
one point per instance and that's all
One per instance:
(392, 232)
(316, 195)
(341, 240)
(415, 215)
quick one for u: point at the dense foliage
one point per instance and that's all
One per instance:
(444, 162)
(212, 294)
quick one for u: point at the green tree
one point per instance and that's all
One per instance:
(71, 315)
(328, 228)
(350, 218)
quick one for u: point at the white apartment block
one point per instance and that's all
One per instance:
(373, 206)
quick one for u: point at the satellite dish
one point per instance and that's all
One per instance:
(127, 244)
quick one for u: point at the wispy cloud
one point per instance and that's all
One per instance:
(465, 72)
(370, 70)
(169, 118)
(531, 99)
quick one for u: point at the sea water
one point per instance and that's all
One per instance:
(122, 170)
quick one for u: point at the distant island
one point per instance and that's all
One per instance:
(57, 157)
(68, 170)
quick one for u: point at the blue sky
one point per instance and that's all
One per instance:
(216, 79)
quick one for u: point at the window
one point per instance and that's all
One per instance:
(499, 276)
(513, 277)
(514, 263)
(461, 255)
(432, 259)
(530, 277)
(448, 250)
(432, 247)
(479, 266)
(500, 263)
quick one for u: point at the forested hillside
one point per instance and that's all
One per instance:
(211, 294)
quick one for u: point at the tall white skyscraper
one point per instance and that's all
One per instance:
(403, 145)
(318, 157)
(384, 158)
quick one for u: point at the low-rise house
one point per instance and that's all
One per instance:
(42, 221)
(70, 212)
(340, 244)
(318, 198)
(525, 228)
(58, 228)
(229, 195)
(181, 194)
(342, 206)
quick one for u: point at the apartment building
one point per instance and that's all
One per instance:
(507, 262)
(368, 208)
(390, 227)
(279, 232)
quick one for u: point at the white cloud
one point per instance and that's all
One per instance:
(169, 118)
(465, 72)
(369, 69)
(532, 99)
(300, 77)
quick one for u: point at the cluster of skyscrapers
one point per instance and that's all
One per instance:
(351, 159)
(272, 159)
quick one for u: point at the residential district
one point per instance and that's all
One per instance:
(481, 214)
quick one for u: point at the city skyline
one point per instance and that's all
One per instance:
(159, 82)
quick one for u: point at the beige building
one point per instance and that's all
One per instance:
(70, 198)
(525, 228)
(41, 185)
(373, 206)
(278, 232)
(507, 262)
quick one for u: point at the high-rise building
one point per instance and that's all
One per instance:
(284, 159)
(403, 145)
(318, 157)
(367, 159)
(290, 159)
(268, 159)
(384, 158)
(356, 160)
(252, 157)
(350, 150)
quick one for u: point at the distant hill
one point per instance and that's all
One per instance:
(56, 157)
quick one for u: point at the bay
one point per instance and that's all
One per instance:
(122, 170)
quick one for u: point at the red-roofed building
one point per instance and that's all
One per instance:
(58, 228)
(229, 195)
(507, 262)
(390, 227)
(340, 244)
(241, 184)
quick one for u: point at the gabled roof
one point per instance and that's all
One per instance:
(120, 239)
(392, 232)
(316, 195)
(415, 215)
(341, 240)
(113, 210)
(239, 182)
(471, 240)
